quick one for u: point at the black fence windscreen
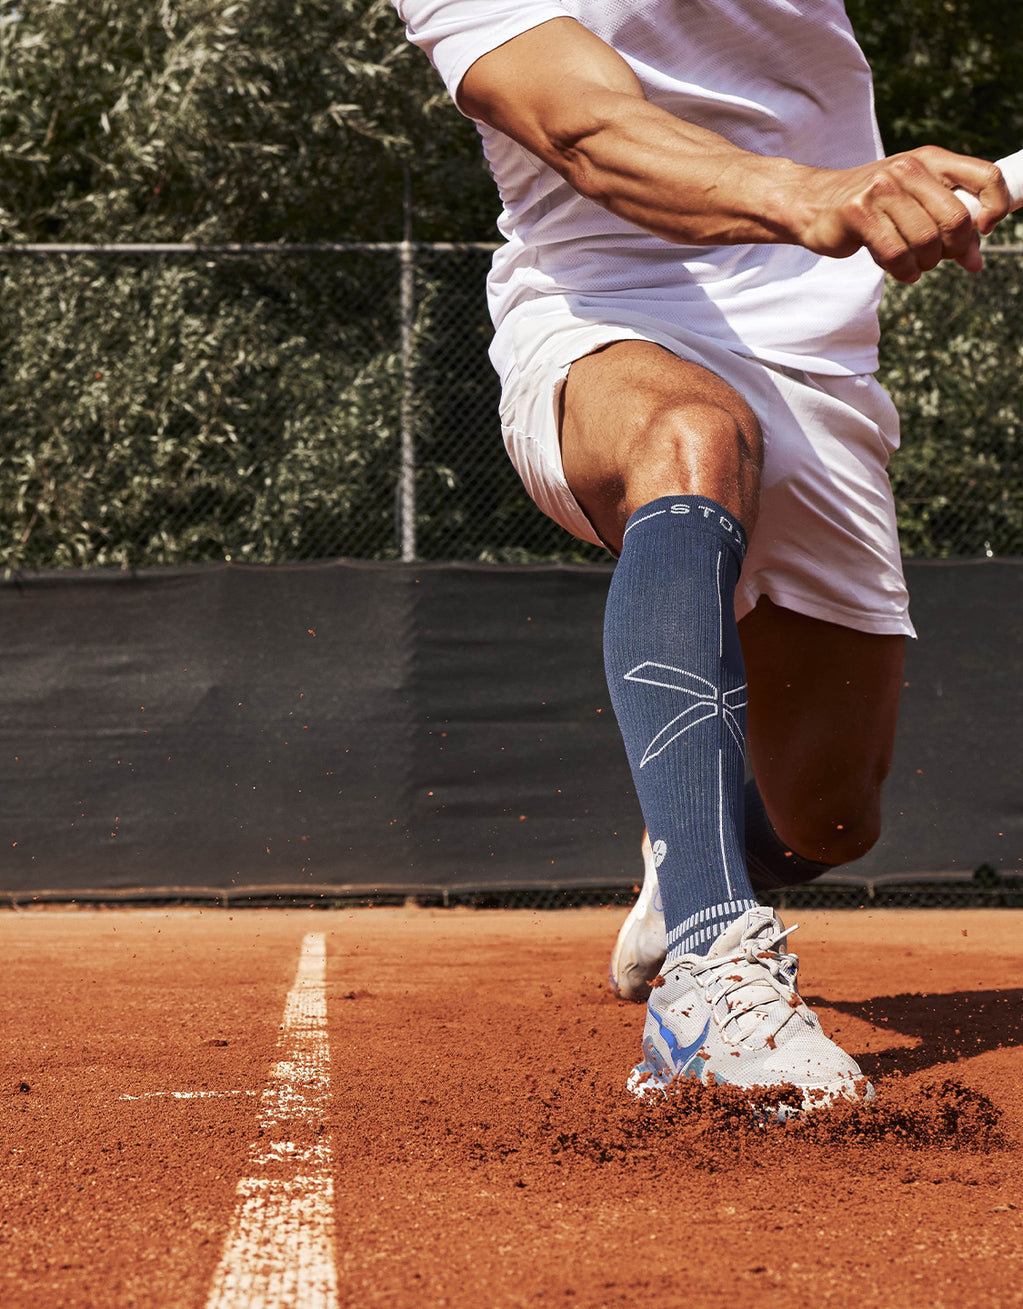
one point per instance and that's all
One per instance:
(392, 729)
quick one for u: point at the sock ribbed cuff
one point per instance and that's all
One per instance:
(695, 933)
(695, 512)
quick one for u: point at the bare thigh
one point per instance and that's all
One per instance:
(823, 704)
(637, 423)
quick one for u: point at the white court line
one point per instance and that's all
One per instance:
(184, 1095)
(279, 1252)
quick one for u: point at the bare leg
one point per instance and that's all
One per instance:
(823, 702)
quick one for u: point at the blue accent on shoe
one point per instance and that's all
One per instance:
(681, 1056)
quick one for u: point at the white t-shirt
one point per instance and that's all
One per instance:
(775, 77)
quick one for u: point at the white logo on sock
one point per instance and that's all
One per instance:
(659, 849)
(706, 701)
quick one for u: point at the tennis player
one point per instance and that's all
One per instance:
(698, 220)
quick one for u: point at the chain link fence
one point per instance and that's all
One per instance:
(168, 405)
(981, 891)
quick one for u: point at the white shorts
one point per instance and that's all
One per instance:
(825, 542)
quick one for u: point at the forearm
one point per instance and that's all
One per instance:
(679, 181)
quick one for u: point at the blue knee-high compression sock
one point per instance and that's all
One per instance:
(678, 686)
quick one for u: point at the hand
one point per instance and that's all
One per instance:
(903, 211)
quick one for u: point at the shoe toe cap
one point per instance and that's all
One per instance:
(810, 1061)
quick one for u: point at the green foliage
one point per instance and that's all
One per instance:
(171, 412)
(952, 356)
(174, 410)
(215, 120)
(184, 409)
(946, 72)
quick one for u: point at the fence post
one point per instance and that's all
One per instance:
(407, 308)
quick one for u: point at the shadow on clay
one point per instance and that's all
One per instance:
(945, 1028)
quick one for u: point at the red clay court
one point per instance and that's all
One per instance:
(413, 1107)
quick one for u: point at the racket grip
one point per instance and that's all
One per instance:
(1011, 168)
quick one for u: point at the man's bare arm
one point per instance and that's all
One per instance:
(575, 103)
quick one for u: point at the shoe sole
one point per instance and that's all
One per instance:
(646, 1080)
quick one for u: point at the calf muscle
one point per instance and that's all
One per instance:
(823, 704)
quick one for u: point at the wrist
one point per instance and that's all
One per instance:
(785, 199)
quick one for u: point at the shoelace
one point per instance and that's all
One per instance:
(759, 982)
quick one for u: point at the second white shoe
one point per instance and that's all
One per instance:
(639, 951)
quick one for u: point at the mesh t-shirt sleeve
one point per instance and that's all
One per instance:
(455, 33)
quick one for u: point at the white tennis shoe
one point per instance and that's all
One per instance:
(735, 1018)
(639, 951)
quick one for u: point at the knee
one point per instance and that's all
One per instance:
(701, 446)
(834, 831)
(703, 434)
